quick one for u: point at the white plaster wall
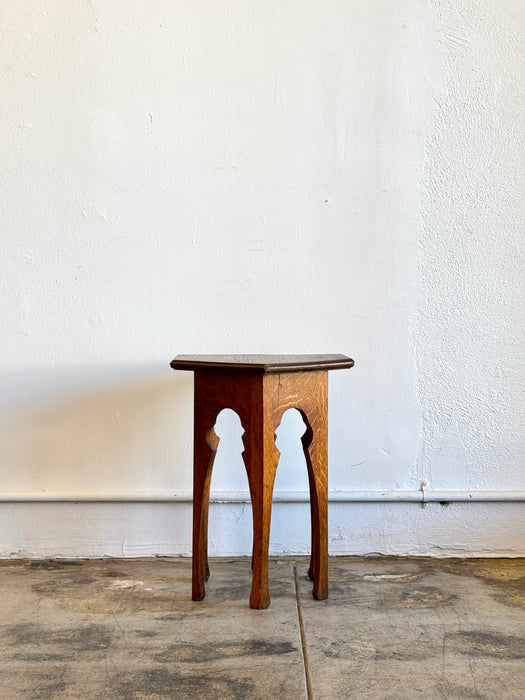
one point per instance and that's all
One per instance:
(262, 177)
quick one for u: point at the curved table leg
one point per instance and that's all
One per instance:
(204, 449)
(261, 457)
(315, 449)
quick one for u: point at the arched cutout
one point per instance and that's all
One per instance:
(229, 473)
(292, 474)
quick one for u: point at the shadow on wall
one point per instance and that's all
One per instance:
(103, 428)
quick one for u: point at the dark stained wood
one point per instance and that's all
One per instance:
(260, 395)
(265, 364)
(205, 443)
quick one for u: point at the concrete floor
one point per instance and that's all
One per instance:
(392, 629)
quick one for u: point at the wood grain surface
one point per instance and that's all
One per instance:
(260, 400)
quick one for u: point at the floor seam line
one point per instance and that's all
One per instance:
(308, 681)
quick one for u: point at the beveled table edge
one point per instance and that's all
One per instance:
(263, 364)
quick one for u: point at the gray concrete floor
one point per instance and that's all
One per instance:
(392, 628)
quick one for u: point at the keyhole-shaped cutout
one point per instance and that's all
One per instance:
(229, 473)
(292, 474)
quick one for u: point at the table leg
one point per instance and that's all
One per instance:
(313, 406)
(315, 449)
(204, 450)
(261, 457)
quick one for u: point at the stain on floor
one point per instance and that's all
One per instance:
(202, 653)
(161, 683)
(102, 595)
(420, 597)
(482, 643)
(506, 579)
(69, 640)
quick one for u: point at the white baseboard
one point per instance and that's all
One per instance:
(147, 529)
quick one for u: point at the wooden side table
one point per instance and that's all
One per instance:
(260, 388)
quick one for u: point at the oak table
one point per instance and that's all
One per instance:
(260, 388)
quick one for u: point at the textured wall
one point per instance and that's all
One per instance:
(470, 329)
(262, 177)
